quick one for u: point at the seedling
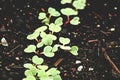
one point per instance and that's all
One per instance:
(49, 42)
(65, 1)
(37, 71)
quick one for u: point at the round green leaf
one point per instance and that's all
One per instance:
(33, 70)
(49, 54)
(64, 40)
(53, 12)
(28, 65)
(41, 29)
(47, 49)
(28, 73)
(59, 21)
(53, 71)
(30, 48)
(29, 78)
(79, 4)
(74, 50)
(43, 67)
(47, 41)
(75, 21)
(51, 36)
(37, 60)
(46, 21)
(46, 78)
(40, 44)
(42, 15)
(41, 73)
(57, 77)
(65, 47)
(43, 34)
(55, 48)
(33, 36)
(68, 11)
(54, 28)
(65, 1)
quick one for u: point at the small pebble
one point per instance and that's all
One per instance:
(91, 69)
(80, 68)
(77, 61)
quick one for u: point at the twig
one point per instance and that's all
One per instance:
(15, 48)
(115, 68)
(58, 62)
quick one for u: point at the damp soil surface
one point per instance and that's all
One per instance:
(99, 28)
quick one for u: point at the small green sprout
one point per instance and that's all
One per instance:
(75, 21)
(68, 11)
(38, 71)
(46, 21)
(48, 51)
(40, 44)
(79, 4)
(37, 60)
(64, 41)
(36, 33)
(48, 41)
(74, 50)
(53, 12)
(29, 78)
(54, 28)
(59, 21)
(65, 1)
(30, 49)
(42, 15)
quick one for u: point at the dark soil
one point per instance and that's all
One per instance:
(18, 18)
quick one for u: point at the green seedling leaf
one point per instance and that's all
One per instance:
(43, 67)
(28, 65)
(74, 50)
(36, 33)
(30, 48)
(65, 47)
(55, 48)
(53, 12)
(39, 45)
(42, 73)
(75, 21)
(47, 49)
(64, 41)
(43, 34)
(53, 72)
(41, 29)
(37, 60)
(59, 21)
(79, 4)
(33, 36)
(51, 36)
(65, 1)
(42, 15)
(46, 78)
(49, 54)
(47, 41)
(68, 11)
(54, 28)
(33, 70)
(28, 73)
(45, 21)
(57, 77)
(29, 78)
